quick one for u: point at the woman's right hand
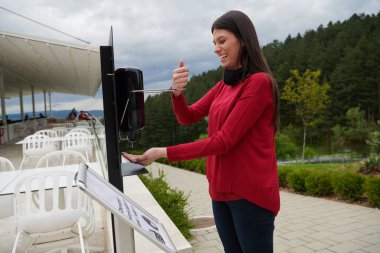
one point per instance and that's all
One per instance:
(180, 78)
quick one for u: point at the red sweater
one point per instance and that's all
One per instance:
(241, 160)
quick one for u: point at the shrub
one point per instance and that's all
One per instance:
(348, 185)
(163, 160)
(282, 173)
(318, 183)
(196, 165)
(285, 148)
(296, 179)
(374, 142)
(371, 165)
(309, 153)
(173, 202)
(372, 190)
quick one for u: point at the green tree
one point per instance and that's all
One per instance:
(355, 133)
(285, 148)
(309, 97)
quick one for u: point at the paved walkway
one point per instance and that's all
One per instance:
(304, 224)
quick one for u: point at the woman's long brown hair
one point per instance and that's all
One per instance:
(251, 56)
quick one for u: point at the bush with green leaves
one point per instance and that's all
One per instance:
(196, 165)
(318, 183)
(315, 179)
(282, 173)
(374, 141)
(310, 153)
(173, 202)
(348, 185)
(285, 147)
(372, 190)
(371, 165)
(296, 179)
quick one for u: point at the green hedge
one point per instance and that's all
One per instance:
(313, 179)
(296, 179)
(318, 183)
(282, 174)
(372, 189)
(173, 202)
(348, 185)
(195, 165)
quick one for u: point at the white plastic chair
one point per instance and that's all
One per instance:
(80, 130)
(82, 123)
(36, 146)
(60, 225)
(5, 164)
(48, 132)
(77, 141)
(51, 134)
(68, 124)
(98, 128)
(60, 158)
(61, 131)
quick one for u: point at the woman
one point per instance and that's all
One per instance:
(243, 117)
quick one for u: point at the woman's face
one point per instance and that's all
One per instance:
(227, 47)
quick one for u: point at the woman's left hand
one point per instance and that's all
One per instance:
(149, 156)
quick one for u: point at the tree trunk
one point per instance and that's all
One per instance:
(304, 143)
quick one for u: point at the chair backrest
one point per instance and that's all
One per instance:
(68, 124)
(77, 141)
(61, 131)
(102, 131)
(48, 132)
(80, 130)
(56, 208)
(76, 138)
(5, 164)
(82, 123)
(37, 144)
(60, 158)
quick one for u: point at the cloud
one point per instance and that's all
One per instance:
(154, 35)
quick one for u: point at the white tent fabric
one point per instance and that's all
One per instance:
(47, 65)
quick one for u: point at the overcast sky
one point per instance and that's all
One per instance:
(154, 34)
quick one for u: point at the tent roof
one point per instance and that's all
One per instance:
(48, 65)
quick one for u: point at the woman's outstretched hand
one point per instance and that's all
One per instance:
(180, 78)
(149, 156)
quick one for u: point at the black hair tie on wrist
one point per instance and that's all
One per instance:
(233, 77)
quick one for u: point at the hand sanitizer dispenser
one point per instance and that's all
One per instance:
(130, 104)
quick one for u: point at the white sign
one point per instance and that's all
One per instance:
(122, 206)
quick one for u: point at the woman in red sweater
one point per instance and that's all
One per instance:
(243, 117)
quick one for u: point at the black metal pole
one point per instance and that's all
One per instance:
(110, 118)
(110, 123)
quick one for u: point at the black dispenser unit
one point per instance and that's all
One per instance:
(129, 98)
(129, 88)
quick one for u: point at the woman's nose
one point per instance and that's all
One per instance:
(216, 49)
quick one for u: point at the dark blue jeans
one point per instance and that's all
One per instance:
(244, 226)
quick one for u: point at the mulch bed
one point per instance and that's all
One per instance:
(202, 222)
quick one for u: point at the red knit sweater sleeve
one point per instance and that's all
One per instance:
(187, 115)
(256, 96)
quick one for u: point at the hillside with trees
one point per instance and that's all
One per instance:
(345, 54)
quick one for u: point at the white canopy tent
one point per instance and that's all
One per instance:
(30, 65)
